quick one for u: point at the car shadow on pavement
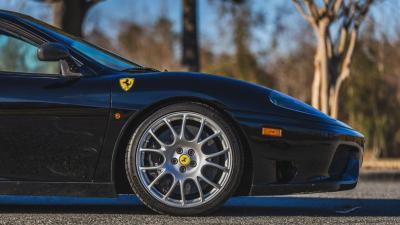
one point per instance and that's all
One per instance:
(309, 206)
(239, 206)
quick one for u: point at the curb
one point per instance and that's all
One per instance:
(380, 175)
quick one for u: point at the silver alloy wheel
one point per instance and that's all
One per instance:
(184, 159)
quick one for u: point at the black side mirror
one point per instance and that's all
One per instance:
(52, 51)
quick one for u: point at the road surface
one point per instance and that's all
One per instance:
(372, 202)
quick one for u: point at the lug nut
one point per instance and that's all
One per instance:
(174, 161)
(179, 151)
(191, 152)
(182, 169)
(193, 164)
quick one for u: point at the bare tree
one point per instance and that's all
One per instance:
(69, 15)
(334, 50)
(190, 57)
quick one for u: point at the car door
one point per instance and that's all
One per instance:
(51, 126)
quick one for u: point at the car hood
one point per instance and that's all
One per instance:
(231, 94)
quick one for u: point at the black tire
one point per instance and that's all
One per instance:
(227, 190)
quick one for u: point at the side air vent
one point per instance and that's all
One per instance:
(341, 159)
(285, 172)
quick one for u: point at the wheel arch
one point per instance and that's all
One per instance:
(121, 183)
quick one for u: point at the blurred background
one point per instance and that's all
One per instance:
(265, 42)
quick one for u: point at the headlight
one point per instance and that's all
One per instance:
(287, 102)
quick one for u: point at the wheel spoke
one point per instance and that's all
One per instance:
(182, 135)
(151, 167)
(196, 181)
(171, 128)
(159, 151)
(156, 138)
(203, 121)
(171, 189)
(223, 168)
(216, 134)
(213, 155)
(181, 185)
(161, 175)
(217, 186)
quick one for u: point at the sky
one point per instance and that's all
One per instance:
(108, 13)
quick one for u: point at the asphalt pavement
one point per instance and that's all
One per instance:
(374, 201)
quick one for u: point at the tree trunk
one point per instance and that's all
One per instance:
(69, 15)
(73, 16)
(344, 74)
(58, 10)
(190, 57)
(333, 58)
(324, 65)
(335, 93)
(316, 85)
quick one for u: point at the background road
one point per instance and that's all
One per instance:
(373, 202)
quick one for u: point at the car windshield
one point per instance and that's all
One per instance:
(99, 55)
(102, 56)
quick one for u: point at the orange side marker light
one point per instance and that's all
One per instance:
(272, 132)
(117, 116)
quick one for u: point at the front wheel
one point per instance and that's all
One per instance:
(184, 159)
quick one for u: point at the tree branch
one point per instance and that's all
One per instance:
(363, 12)
(336, 8)
(312, 8)
(341, 43)
(301, 9)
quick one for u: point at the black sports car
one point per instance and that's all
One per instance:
(76, 120)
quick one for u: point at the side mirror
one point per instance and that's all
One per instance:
(52, 51)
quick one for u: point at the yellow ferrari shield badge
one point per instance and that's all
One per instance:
(126, 83)
(184, 160)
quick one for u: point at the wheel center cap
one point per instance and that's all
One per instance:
(184, 160)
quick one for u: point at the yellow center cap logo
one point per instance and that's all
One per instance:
(126, 83)
(184, 160)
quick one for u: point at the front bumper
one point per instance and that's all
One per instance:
(309, 157)
(341, 179)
